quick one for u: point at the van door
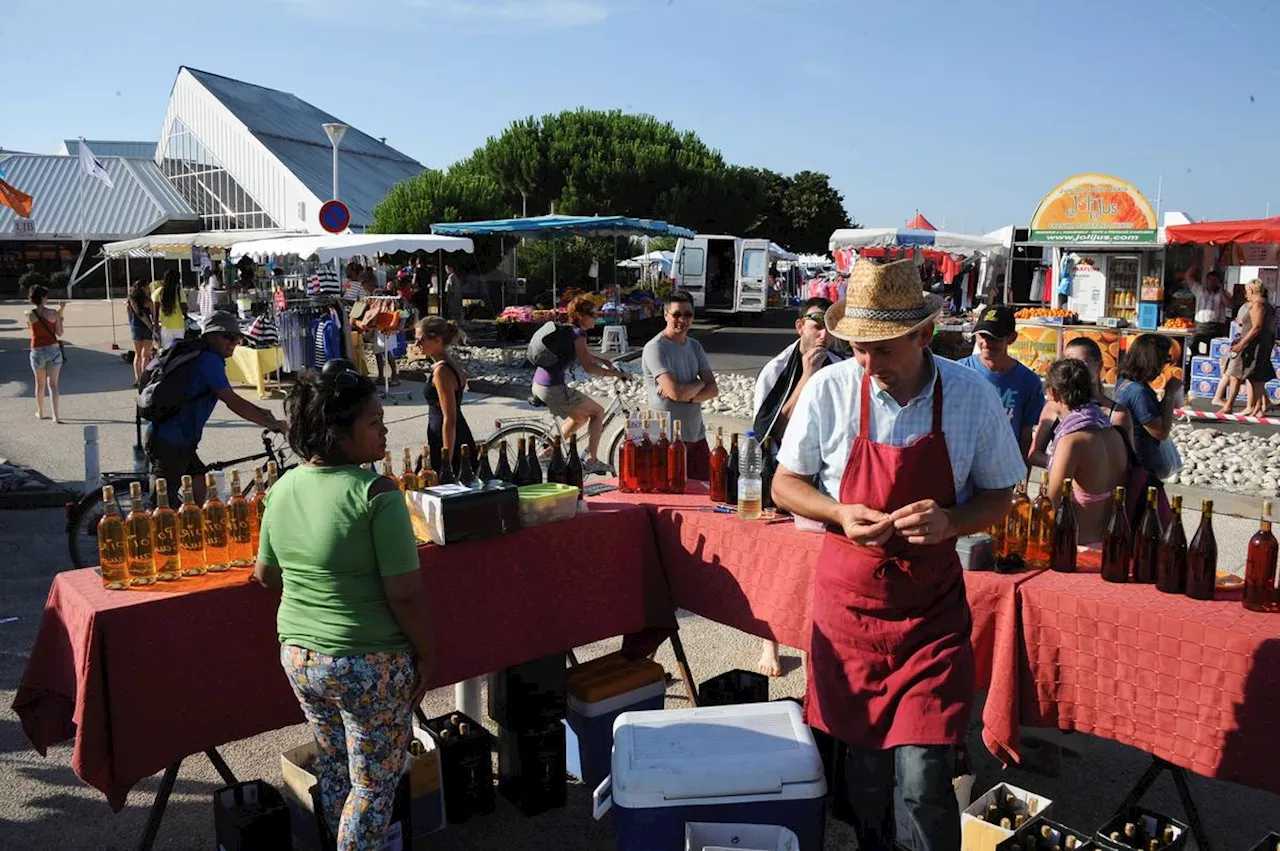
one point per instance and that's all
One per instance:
(753, 276)
(689, 268)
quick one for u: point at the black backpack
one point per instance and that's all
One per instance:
(552, 346)
(163, 391)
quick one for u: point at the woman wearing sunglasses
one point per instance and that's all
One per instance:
(447, 429)
(354, 624)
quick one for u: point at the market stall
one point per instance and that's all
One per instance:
(554, 227)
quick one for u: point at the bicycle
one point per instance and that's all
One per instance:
(537, 428)
(83, 515)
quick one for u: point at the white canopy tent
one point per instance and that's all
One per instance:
(326, 247)
(952, 243)
(179, 245)
(661, 258)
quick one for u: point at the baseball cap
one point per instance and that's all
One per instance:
(220, 322)
(996, 322)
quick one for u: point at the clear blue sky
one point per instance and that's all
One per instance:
(970, 110)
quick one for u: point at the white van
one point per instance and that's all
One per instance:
(724, 274)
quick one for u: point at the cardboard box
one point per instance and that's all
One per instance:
(1206, 368)
(708, 836)
(1150, 824)
(977, 835)
(1203, 387)
(1218, 347)
(1272, 389)
(419, 807)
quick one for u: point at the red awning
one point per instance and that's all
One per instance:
(1220, 233)
(920, 223)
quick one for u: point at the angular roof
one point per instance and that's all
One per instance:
(140, 201)
(920, 223)
(290, 128)
(107, 148)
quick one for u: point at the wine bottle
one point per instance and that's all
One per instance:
(1066, 533)
(1040, 531)
(532, 464)
(1017, 527)
(1260, 567)
(139, 541)
(575, 476)
(1117, 542)
(557, 469)
(1146, 543)
(240, 551)
(111, 543)
(677, 461)
(273, 473)
(520, 473)
(484, 473)
(627, 480)
(164, 525)
(259, 503)
(1171, 565)
(732, 471)
(428, 476)
(719, 470)
(504, 465)
(216, 556)
(658, 461)
(466, 472)
(387, 469)
(1202, 557)
(190, 532)
(644, 461)
(446, 468)
(408, 478)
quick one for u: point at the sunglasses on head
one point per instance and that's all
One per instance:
(340, 379)
(818, 316)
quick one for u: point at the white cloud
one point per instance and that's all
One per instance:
(543, 13)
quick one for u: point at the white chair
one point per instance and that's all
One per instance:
(614, 339)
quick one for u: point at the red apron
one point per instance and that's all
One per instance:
(890, 661)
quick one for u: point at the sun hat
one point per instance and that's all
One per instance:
(220, 322)
(882, 301)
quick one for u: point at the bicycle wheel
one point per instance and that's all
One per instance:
(540, 436)
(615, 447)
(82, 522)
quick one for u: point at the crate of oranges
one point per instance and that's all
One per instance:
(1177, 323)
(1048, 315)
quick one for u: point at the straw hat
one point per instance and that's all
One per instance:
(882, 302)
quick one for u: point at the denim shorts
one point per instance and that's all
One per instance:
(46, 357)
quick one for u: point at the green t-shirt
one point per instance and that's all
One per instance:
(333, 545)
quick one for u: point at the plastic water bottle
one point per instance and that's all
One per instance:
(750, 479)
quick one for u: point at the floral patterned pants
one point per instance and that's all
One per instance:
(359, 710)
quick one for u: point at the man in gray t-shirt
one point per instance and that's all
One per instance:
(678, 379)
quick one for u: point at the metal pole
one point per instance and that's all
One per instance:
(335, 171)
(554, 299)
(111, 304)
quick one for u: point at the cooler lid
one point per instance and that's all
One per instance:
(614, 681)
(594, 668)
(692, 756)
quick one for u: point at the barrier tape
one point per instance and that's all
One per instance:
(1188, 414)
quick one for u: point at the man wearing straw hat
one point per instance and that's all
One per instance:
(891, 671)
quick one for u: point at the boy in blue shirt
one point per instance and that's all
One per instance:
(172, 443)
(1020, 389)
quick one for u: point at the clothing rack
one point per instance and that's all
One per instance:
(386, 341)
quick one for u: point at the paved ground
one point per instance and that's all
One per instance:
(46, 806)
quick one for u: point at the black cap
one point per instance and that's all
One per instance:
(997, 321)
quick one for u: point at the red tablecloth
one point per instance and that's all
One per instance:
(1194, 682)
(757, 576)
(143, 678)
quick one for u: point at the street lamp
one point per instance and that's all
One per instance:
(335, 132)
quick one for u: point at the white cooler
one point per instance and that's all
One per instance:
(750, 764)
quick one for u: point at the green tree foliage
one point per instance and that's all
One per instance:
(589, 162)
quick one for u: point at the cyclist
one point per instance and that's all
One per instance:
(572, 407)
(171, 444)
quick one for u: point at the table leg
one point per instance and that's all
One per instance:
(422, 716)
(220, 765)
(1144, 783)
(573, 660)
(682, 662)
(1189, 806)
(158, 807)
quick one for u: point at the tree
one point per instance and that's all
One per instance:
(813, 209)
(457, 195)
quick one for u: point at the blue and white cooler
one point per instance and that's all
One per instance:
(749, 764)
(598, 692)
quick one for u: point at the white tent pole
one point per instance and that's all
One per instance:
(112, 305)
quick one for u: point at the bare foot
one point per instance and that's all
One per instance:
(769, 665)
(1224, 410)
(39, 415)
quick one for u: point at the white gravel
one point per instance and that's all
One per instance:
(1246, 464)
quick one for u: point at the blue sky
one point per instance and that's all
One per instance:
(970, 110)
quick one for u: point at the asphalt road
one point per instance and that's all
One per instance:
(46, 806)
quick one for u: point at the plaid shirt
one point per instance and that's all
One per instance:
(984, 453)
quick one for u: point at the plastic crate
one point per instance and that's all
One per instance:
(529, 696)
(531, 768)
(547, 503)
(251, 816)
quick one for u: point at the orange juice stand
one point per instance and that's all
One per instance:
(1039, 345)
